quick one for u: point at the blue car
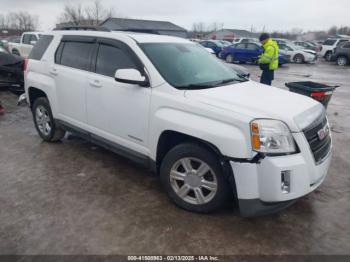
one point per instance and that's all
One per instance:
(246, 52)
(216, 45)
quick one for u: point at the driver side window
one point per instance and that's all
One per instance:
(111, 58)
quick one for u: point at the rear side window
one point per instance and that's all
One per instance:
(75, 54)
(26, 39)
(40, 47)
(252, 47)
(346, 45)
(240, 46)
(111, 58)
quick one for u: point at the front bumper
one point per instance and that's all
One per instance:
(311, 59)
(259, 185)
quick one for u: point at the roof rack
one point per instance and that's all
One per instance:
(83, 28)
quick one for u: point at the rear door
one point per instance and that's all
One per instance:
(253, 51)
(239, 52)
(71, 72)
(117, 111)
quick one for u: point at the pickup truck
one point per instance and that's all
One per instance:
(23, 48)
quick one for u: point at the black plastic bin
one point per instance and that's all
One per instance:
(320, 92)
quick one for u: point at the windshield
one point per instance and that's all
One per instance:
(188, 65)
(225, 43)
(329, 42)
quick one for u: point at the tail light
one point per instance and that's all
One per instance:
(25, 64)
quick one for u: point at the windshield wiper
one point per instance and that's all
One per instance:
(196, 86)
(212, 84)
(230, 80)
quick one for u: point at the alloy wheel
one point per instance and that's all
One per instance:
(342, 61)
(193, 181)
(43, 120)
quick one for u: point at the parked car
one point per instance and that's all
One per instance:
(307, 45)
(246, 52)
(11, 72)
(167, 103)
(225, 43)
(215, 45)
(329, 45)
(342, 54)
(283, 41)
(298, 54)
(245, 40)
(240, 70)
(28, 40)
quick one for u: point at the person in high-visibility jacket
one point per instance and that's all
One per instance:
(268, 61)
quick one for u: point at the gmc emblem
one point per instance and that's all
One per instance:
(323, 132)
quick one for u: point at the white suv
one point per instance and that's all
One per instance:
(329, 45)
(167, 103)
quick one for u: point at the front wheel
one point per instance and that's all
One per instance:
(328, 56)
(230, 59)
(342, 61)
(44, 121)
(193, 178)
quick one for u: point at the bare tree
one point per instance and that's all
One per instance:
(20, 21)
(4, 21)
(72, 14)
(88, 15)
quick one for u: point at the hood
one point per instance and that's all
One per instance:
(309, 51)
(240, 70)
(260, 101)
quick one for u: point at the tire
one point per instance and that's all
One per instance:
(15, 52)
(299, 59)
(328, 56)
(342, 61)
(203, 188)
(230, 58)
(44, 121)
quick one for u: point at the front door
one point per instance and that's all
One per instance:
(117, 111)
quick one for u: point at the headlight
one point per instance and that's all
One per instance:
(271, 137)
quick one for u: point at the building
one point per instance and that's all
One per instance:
(230, 34)
(144, 26)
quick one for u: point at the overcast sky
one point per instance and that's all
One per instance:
(238, 14)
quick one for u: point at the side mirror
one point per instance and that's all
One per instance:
(32, 42)
(131, 76)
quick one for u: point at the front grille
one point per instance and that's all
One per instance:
(320, 148)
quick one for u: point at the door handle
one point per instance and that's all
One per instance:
(95, 83)
(54, 71)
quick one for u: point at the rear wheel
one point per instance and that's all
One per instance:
(230, 58)
(44, 121)
(342, 61)
(299, 59)
(15, 52)
(193, 178)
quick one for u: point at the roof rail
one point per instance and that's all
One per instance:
(83, 28)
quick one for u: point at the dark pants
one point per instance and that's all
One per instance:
(267, 76)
